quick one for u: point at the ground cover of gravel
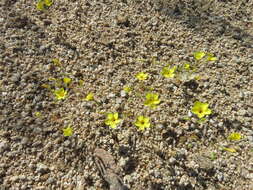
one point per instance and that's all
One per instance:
(105, 43)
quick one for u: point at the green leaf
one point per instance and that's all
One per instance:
(232, 150)
(213, 156)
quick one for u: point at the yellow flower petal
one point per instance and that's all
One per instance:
(89, 97)
(142, 76)
(60, 93)
(235, 137)
(112, 120)
(48, 2)
(40, 5)
(199, 55)
(68, 131)
(67, 80)
(142, 122)
(201, 109)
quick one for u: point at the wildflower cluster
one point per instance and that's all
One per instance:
(186, 71)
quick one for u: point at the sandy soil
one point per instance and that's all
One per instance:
(105, 43)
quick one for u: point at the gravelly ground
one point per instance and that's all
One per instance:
(101, 43)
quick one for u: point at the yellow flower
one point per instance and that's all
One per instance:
(89, 97)
(235, 137)
(37, 114)
(187, 66)
(211, 57)
(56, 62)
(142, 76)
(199, 55)
(43, 4)
(169, 72)
(81, 82)
(60, 93)
(67, 132)
(152, 99)
(66, 80)
(112, 120)
(48, 2)
(201, 109)
(127, 89)
(142, 122)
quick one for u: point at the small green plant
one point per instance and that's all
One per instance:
(201, 109)
(142, 122)
(213, 156)
(112, 120)
(68, 131)
(43, 4)
(152, 100)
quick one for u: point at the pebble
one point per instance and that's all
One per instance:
(220, 176)
(42, 168)
(172, 160)
(4, 146)
(122, 93)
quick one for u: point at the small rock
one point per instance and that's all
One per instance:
(203, 162)
(172, 160)
(220, 176)
(50, 180)
(42, 168)
(4, 146)
(14, 178)
(123, 162)
(67, 143)
(24, 141)
(122, 93)
(15, 78)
